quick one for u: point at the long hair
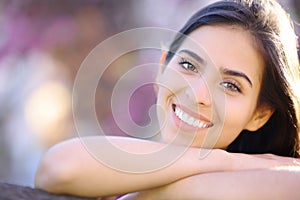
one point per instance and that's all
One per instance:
(275, 36)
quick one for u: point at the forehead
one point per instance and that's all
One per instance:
(228, 46)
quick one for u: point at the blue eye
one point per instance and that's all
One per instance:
(187, 65)
(231, 86)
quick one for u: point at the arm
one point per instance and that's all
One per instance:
(69, 168)
(275, 183)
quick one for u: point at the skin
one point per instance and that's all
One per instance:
(270, 184)
(70, 169)
(185, 84)
(231, 47)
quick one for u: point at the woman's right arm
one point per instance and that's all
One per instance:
(69, 168)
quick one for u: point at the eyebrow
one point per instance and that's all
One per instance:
(225, 71)
(194, 56)
(230, 72)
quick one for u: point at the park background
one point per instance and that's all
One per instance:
(42, 45)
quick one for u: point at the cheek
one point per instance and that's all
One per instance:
(238, 114)
(171, 78)
(169, 84)
(239, 111)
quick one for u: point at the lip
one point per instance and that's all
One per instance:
(185, 126)
(191, 113)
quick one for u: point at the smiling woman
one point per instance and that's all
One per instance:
(268, 33)
(235, 76)
(234, 92)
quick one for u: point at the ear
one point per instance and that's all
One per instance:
(160, 70)
(260, 117)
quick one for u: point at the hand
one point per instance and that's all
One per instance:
(277, 162)
(242, 161)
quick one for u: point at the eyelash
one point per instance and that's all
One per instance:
(229, 85)
(183, 62)
(232, 86)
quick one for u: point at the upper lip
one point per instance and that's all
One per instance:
(193, 114)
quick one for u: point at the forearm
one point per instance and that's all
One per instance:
(70, 168)
(282, 183)
(94, 169)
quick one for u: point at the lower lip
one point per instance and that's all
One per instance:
(182, 125)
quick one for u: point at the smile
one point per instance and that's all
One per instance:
(190, 120)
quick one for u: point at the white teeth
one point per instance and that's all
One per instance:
(202, 124)
(196, 123)
(185, 116)
(189, 119)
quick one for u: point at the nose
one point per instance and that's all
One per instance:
(198, 91)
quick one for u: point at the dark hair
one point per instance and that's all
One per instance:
(275, 36)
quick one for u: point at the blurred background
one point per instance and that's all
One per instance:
(42, 45)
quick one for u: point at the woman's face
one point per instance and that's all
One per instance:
(206, 96)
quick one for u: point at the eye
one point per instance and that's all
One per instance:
(187, 65)
(231, 86)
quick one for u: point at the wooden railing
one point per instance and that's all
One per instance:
(17, 192)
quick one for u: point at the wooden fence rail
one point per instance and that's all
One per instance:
(17, 192)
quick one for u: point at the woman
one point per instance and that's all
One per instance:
(274, 93)
(237, 93)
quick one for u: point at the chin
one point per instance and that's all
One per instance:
(178, 139)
